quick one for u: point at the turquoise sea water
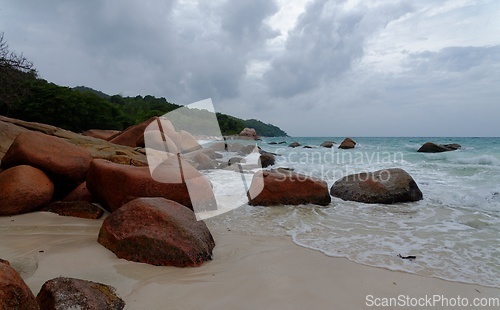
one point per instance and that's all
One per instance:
(454, 231)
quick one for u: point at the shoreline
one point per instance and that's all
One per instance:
(247, 272)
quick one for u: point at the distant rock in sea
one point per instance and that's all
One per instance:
(348, 143)
(249, 133)
(431, 147)
(294, 144)
(327, 144)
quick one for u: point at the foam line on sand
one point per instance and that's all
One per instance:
(247, 272)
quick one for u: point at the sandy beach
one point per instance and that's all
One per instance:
(247, 272)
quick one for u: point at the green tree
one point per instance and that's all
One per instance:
(16, 76)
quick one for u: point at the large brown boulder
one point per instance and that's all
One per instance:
(8, 133)
(382, 186)
(24, 189)
(203, 162)
(188, 142)
(10, 128)
(161, 135)
(157, 231)
(285, 187)
(431, 147)
(132, 134)
(101, 133)
(14, 293)
(348, 143)
(113, 185)
(46, 129)
(50, 154)
(69, 293)
(156, 141)
(165, 126)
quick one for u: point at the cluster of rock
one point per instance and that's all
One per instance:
(348, 143)
(151, 216)
(285, 187)
(66, 173)
(58, 293)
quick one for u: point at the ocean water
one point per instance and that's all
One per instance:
(454, 232)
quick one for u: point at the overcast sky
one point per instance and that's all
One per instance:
(312, 67)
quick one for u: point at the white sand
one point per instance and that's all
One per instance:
(247, 272)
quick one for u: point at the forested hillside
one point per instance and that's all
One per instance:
(24, 95)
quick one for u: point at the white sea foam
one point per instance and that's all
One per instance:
(488, 160)
(454, 231)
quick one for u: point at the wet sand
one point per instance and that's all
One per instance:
(247, 272)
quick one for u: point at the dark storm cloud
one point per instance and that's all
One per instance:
(243, 20)
(172, 48)
(337, 58)
(325, 43)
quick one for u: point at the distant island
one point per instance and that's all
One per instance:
(25, 96)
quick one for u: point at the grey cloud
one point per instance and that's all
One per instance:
(325, 43)
(191, 50)
(243, 20)
(453, 58)
(181, 51)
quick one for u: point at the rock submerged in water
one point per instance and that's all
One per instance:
(382, 186)
(157, 231)
(294, 144)
(431, 147)
(348, 143)
(274, 142)
(14, 293)
(266, 159)
(327, 144)
(70, 293)
(285, 187)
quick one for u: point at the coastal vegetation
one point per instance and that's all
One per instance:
(24, 95)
